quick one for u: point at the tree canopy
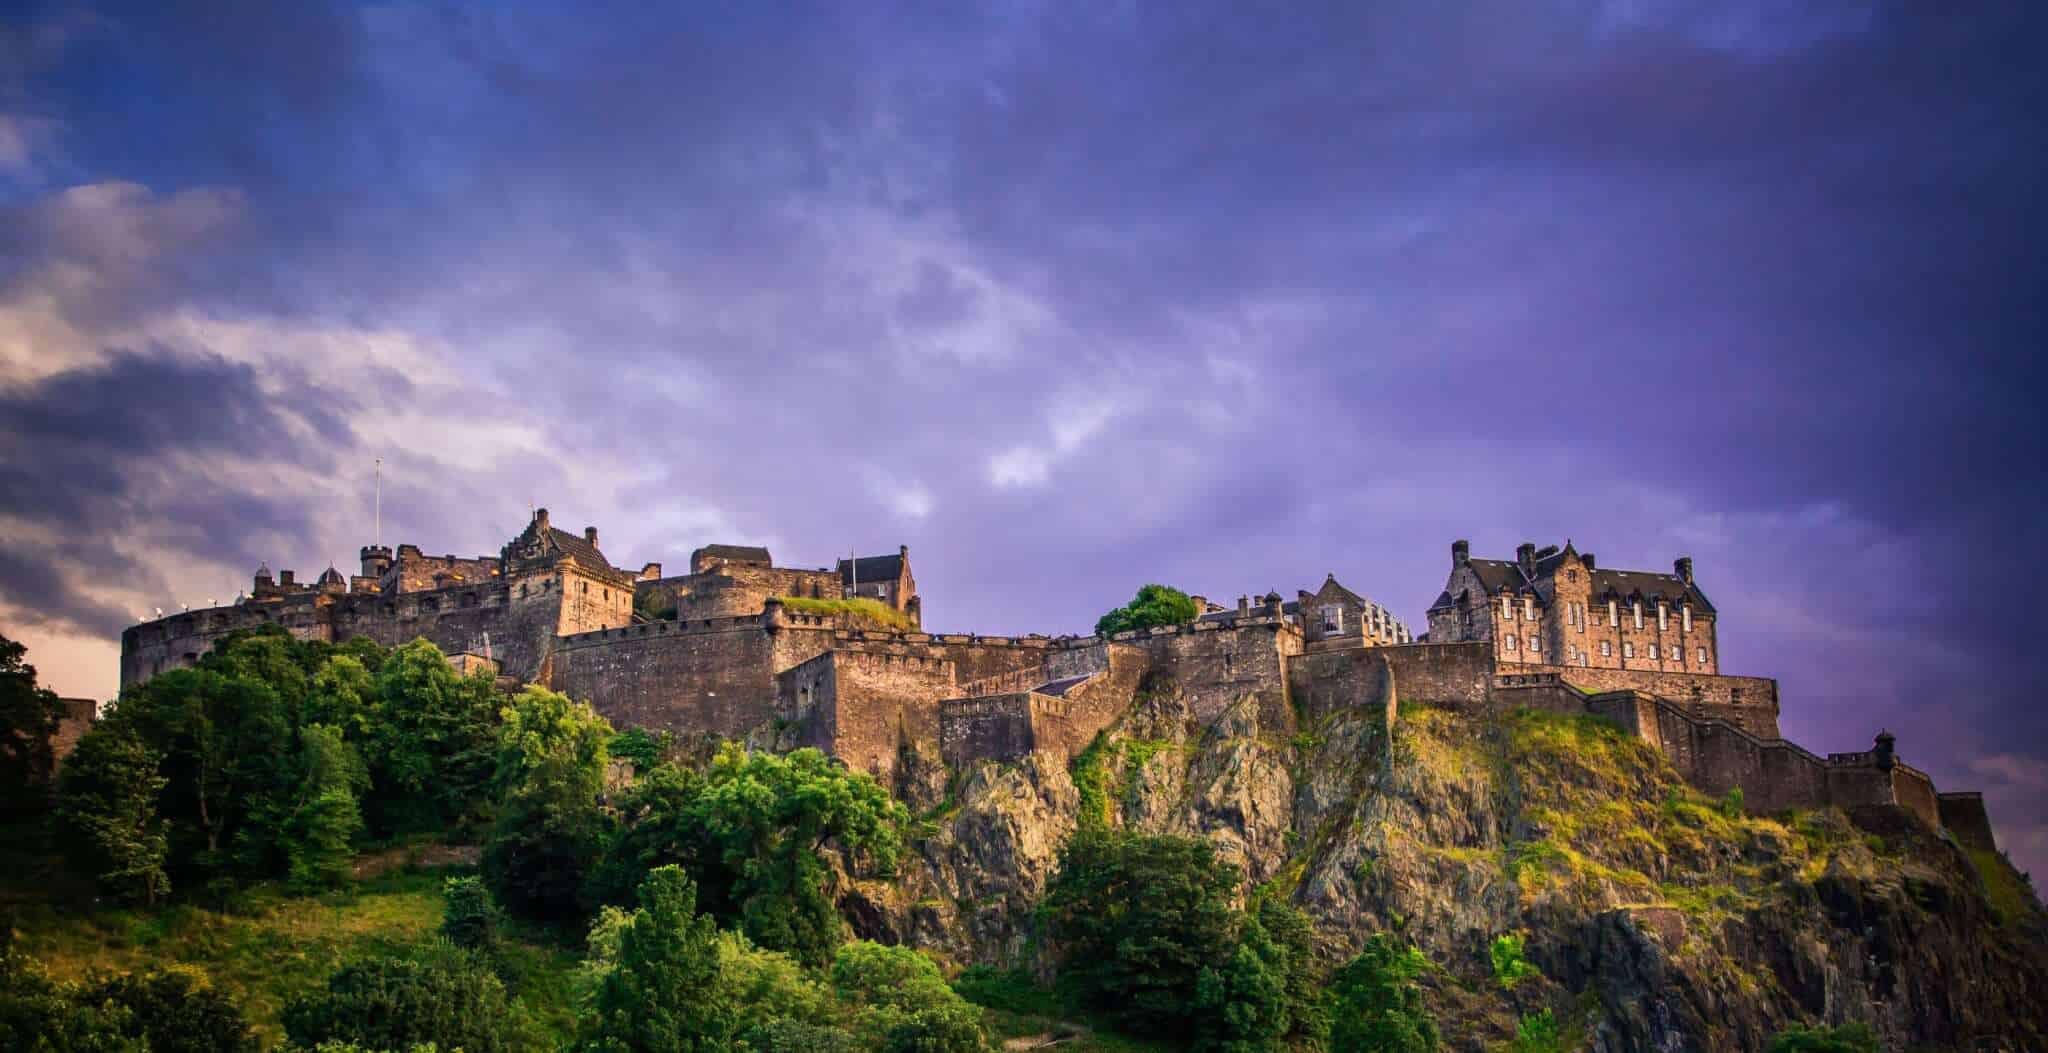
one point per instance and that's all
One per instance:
(1153, 605)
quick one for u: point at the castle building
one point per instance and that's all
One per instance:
(737, 647)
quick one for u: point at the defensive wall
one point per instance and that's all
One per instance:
(1748, 702)
(1091, 685)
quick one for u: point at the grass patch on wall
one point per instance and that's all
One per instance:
(859, 607)
(2010, 896)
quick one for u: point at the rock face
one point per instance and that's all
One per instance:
(1660, 919)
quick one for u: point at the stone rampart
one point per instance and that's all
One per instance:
(715, 675)
(1963, 815)
(1749, 702)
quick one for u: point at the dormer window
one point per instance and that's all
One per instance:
(1636, 606)
(1528, 608)
(1507, 607)
(1333, 618)
(1685, 617)
(1663, 621)
(1612, 620)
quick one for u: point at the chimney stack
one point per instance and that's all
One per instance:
(1587, 559)
(1461, 553)
(1683, 567)
(1525, 554)
(590, 536)
(1244, 606)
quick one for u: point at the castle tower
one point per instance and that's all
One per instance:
(376, 560)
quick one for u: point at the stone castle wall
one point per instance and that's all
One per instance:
(1748, 702)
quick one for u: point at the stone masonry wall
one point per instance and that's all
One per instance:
(1963, 815)
(713, 675)
(879, 698)
(1749, 702)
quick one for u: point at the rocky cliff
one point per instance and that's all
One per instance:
(1660, 919)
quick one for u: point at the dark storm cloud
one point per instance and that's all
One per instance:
(1076, 297)
(142, 445)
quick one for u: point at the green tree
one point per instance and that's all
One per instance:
(550, 831)
(1847, 1038)
(445, 997)
(663, 995)
(107, 803)
(173, 1014)
(763, 820)
(1137, 919)
(1153, 605)
(321, 831)
(904, 1003)
(1267, 995)
(29, 715)
(40, 1015)
(639, 747)
(468, 917)
(1378, 1004)
(432, 742)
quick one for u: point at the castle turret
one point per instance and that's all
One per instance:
(332, 581)
(376, 560)
(1887, 751)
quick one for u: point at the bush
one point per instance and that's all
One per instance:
(1847, 1038)
(905, 1004)
(1137, 919)
(550, 831)
(172, 1013)
(662, 994)
(1010, 990)
(783, 1035)
(1537, 1033)
(444, 997)
(1731, 803)
(1509, 966)
(1377, 1003)
(468, 917)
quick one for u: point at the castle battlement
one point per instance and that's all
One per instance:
(728, 649)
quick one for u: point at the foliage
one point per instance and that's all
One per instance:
(468, 917)
(1011, 990)
(550, 829)
(152, 1012)
(857, 608)
(431, 741)
(29, 715)
(1537, 1033)
(1091, 780)
(654, 605)
(906, 1006)
(172, 1013)
(1847, 1038)
(319, 834)
(662, 993)
(749, 829)
(1153, 605)
(1731, 803)
(108, 801)
(445, 997)
(1509, 966)
(1378, 1004)
(1137, 919)
(640, 748)
(1265, 994)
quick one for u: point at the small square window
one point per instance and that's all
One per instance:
(1628, 650)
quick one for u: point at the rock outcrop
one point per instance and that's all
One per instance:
(1660, 919)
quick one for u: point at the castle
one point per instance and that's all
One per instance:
(741, 647)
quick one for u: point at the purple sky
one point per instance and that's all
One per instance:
(1068, 298)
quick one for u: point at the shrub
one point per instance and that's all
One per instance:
(1137, 919)
(550, 831)
(1010, 990)
(444, 997)
(1377, 1003)
(1509, 966)
(173, 1014)
(468, 917)
(663, 992)
(1537, 1033)
(1731, 803)
(1847, 1038)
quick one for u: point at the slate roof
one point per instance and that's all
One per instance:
(1497, 574)
(872, 568)
(735, 553)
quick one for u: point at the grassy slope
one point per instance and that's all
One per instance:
(275, 947)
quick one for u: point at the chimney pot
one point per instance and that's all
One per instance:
(1683, 567)
(590, 536)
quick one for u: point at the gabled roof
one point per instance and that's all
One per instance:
(1497, 574)
(872, 568)
(578, 551)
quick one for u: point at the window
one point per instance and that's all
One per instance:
(1535, 644)
(1703, 656)
(1663, 622)
(586, 588)
(1571, 653)
(1628, 650)
(1636, 606)
(1677, 653)
(1685, 617)
(1606, 648)
(1508, 642)
(1612, 621)
(1571, 575)
(1528, 608)
(1333, 618)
